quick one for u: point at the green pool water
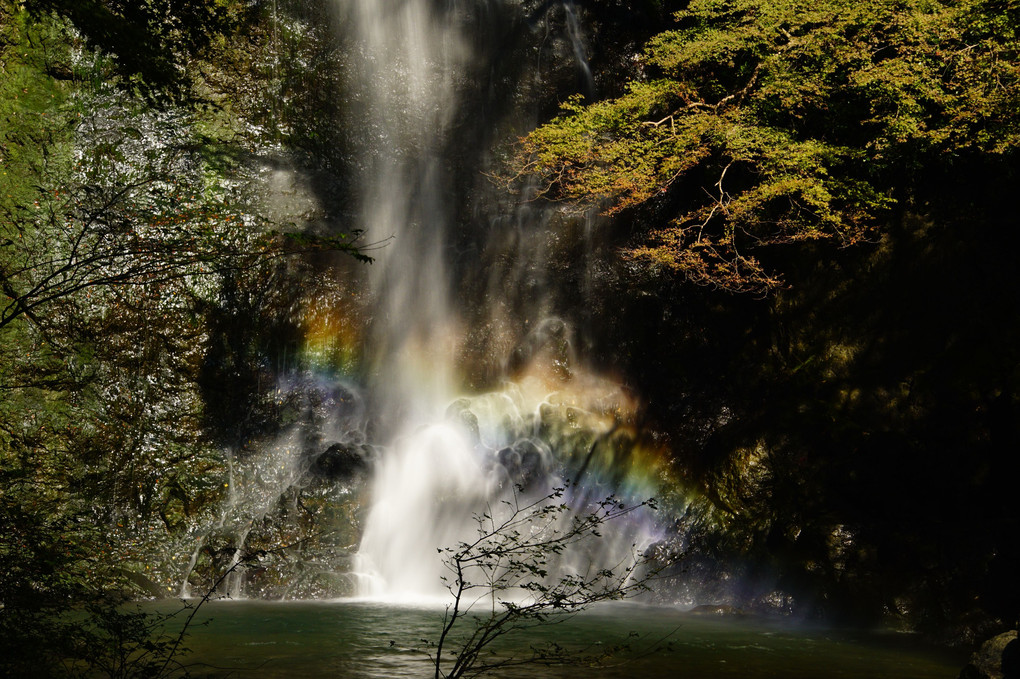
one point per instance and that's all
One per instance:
(358, 640)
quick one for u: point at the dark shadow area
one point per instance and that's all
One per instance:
(860, 429)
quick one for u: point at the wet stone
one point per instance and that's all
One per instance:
(340, 462)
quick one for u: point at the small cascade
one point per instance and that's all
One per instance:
(577, 43)
(277, 494)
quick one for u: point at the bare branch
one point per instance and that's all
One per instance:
(513, 563)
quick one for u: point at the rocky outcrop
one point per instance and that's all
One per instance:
(998, 658)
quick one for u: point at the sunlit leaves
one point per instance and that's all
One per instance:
(768, 122)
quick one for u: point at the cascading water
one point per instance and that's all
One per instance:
(403, 82)
(448, 458)
(462, 377)
(410, 55)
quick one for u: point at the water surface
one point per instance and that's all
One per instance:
(360, 640)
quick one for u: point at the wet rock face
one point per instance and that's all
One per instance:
(547, 345)
(459, 413)
(998, 658)
(525, 462)
(1011, 658)
(341, 462)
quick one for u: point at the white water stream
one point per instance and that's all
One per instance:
(438, 450)
(441, 466)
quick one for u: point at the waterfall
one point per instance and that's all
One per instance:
(449, 375)
(447, 456)
(410, 53)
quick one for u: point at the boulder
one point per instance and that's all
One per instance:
(525, 462)
(459, 412)
(340, 462)
(998, 658)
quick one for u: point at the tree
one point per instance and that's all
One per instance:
(152, 43)
(762, 123)
(100, 189)
(127, 204)
(512, 577)
(65, 611)
(119, 222)
(61, 610)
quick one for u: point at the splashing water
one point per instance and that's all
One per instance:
(523, 439)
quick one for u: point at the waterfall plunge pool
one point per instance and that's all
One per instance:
(364, 640)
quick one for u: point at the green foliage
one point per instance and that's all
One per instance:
(120, 224)
(62, 613)
(30, 129)
(152, 43)
(768, 122)
(110, 228)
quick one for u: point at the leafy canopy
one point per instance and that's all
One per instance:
(152, 42)
(764, 122)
